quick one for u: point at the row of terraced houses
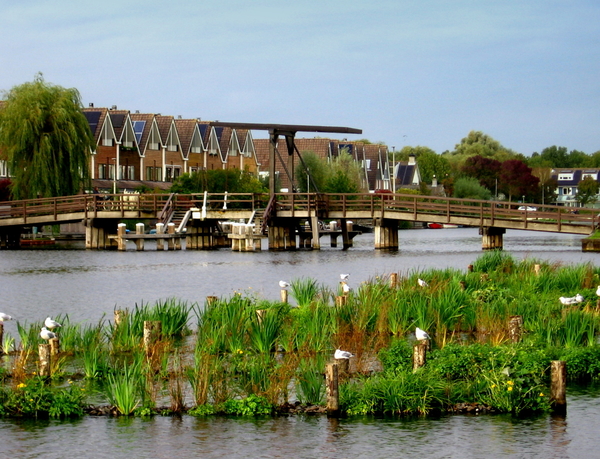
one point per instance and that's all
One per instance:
(139, 149)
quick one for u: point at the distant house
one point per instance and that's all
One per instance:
(406, 173)
(568, 182)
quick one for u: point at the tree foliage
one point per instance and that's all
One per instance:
(218, 181)
(470, 188)
(587, 191)
(486, 170)
(46, 139)
(341, 175)
(516, 179)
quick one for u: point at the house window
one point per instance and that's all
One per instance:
(172, 148)
(3, 168)
(154, 174)
(153, 146)
(172, 172)
(196, 149)
(107, 142)
(102, 171)
(128, 172)
(128, 144)
(565, 177)
(567, 191)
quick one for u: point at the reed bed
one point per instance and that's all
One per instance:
(247, 355)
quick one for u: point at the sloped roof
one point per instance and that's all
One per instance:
(95, 118)
(147, 117)
(185, 130)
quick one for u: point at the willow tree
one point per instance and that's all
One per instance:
(45, 139)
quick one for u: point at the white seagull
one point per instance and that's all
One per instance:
(346, 288)
(422, 283)
(572, 300)
(339, 354)
(51, 324)
(421, 334)
(344, 277)
(284, 284)
(47, 334)
(598, 291)
(4, 317)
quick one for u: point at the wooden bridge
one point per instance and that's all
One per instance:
(198, 216)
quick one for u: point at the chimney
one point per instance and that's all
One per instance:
(114, 107)
(412, 159)
(91, 105)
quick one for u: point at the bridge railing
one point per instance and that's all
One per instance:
(318, 204)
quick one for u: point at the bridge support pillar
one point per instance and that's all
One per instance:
(10, 238)
(282, 234)
(316, 241)
(491, 237)
(386, 234)
(97, 234)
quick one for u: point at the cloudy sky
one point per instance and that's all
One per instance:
(426, 72)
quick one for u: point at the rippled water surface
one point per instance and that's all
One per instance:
(89, 284)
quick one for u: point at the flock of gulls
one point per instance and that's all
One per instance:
(50, 324)
(46, 332)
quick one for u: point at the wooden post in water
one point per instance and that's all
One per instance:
(558, 386)
(515, 328)
(171, 230)
(139, 243)
(119, 316)
(333, 395)
(284, 295)
(211, 299)
(341, 300)
(420, 354)
(260, 313)
(160, 243)
(121, 241)
(45, 360)
(54, 345)
(2, 350)
(394, 280)
(537, 268)
(152, 332)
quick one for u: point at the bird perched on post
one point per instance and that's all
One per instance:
(51, 324)
(345, 288)
(421, 335)
(47, 334)
(344, 277)
(4, 317)
(422, 283)
(339, 354)
(284, 284)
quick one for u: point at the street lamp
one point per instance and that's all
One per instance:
(394, 170)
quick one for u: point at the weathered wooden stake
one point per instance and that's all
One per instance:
(211, 299)
(343, 368)
(45, 360)
(54, 346)
(284, 295)
(260, 313)
(393, 280)
(558, 386)
(420, 354)
(515, 328)
(119, 316)
(537, 269)
(2, 350)
(333, 395)
(139, 229)
(121, 241)
(152, 331)
(341, 300)
(470, 268)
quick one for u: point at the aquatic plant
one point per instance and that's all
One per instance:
(34, 398)
(122, 389)
(310, 382)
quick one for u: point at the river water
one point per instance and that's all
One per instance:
(89, 285)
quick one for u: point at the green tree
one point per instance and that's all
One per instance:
(218, 181)
(46, 140)
(470, 188)
(587, 191)
(345, 175)
(318, 171)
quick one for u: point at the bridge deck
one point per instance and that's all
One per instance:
(223, 206)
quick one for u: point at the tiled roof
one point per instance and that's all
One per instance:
(185, 130)
(147, 117)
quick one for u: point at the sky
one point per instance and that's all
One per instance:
(525, 72)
